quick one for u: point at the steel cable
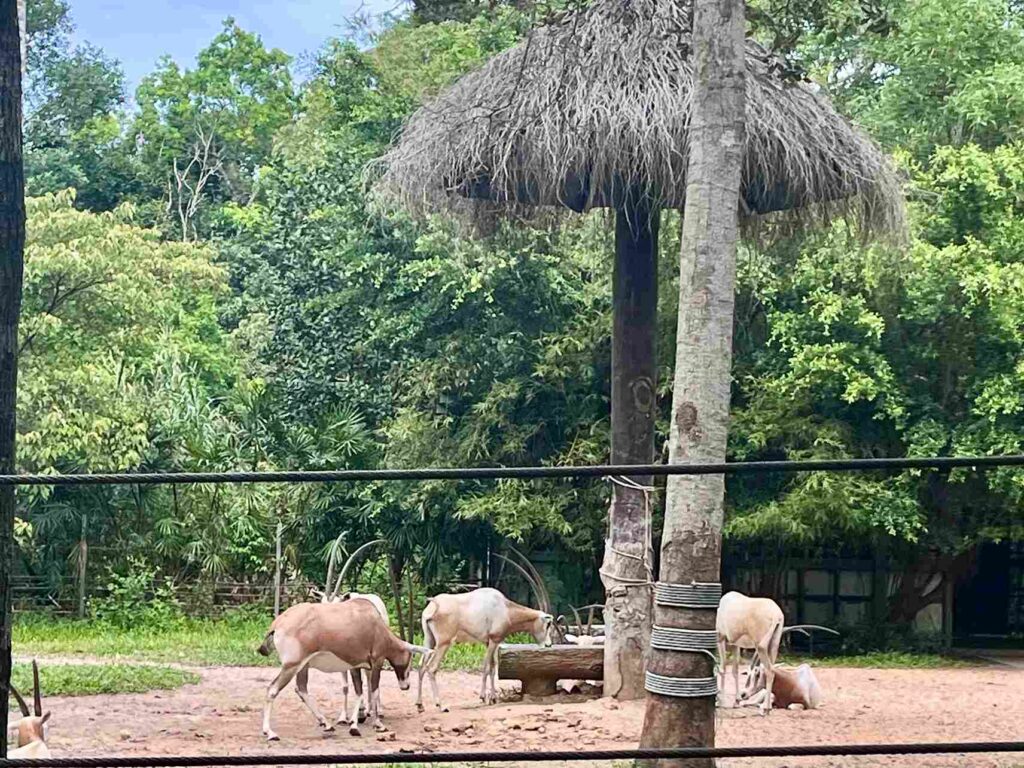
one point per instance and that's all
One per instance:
(809, 750)
(499, 473)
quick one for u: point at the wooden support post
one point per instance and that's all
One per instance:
(627, 556)
(12, 253)
(277, 568)
(948, 585)
(879, 584)
(83, 565)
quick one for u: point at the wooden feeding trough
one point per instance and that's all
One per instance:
(539, 669)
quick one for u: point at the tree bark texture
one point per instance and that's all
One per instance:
(23, 34)
(12, 246)
(691, 540)
(628, 557)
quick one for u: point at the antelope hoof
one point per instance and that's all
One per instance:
(419, 706)
(380, 728)
(328, 727)
(354, 731)
(441, 708)
(271, 736)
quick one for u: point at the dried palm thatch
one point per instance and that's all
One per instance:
(596, 107)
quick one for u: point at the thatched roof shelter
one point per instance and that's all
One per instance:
(599, 102)
(593, 110)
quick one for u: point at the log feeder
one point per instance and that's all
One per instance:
(539, 669)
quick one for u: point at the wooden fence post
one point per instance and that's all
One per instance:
(83, 565)
(277, 569)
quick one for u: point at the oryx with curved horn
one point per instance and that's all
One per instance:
(331, 595)
(334, 637)
(32, 729)
(757, 623)
(484, 615)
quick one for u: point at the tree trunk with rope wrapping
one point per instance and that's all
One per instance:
(694, 505)
(626, 571)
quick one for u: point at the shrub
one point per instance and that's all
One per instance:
(136, 598)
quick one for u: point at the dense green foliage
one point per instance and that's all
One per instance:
(299, 325)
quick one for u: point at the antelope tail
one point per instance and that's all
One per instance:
(264, 649)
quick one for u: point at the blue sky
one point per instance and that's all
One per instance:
(138, 32)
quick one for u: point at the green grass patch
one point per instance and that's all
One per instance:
(231, 641)
(464, 657)
(94, 679)
(883, 660)
(228, 641)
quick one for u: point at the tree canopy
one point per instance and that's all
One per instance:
(220, 292)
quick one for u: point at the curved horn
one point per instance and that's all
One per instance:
(37, 694)
(417, 648)
(802, 627)
(545, 597)
(348, 563)
(579, 619)
(21, 702)
(332, 560)
(528, 577)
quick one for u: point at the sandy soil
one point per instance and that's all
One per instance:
(222, 715)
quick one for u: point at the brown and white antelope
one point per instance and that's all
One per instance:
(32, 729)
(334, 637)
(790, 687)
(355, 675)
(481, 616)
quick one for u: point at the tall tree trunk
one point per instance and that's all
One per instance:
(12, 247)
(395, 575)
(23, 34)
(691, 541)
(627, 554)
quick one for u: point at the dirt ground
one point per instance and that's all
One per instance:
(222, 715)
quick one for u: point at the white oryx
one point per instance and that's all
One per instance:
(484, 615)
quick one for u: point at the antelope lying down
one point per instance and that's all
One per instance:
(334, 637)
(791, 687)
(32, 729)
(757, 623)
(481, 616)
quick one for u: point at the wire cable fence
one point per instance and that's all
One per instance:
(499, 473)
(393, 758)
(506, 473)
